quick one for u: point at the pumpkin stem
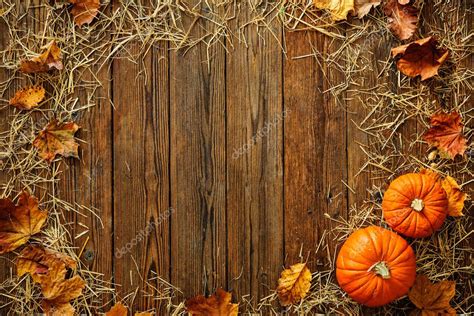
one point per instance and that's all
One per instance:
(417, 205)
(380, 268)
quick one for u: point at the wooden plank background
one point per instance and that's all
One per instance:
(178, 148)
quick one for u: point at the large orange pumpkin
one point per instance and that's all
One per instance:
(375, 266)
(415, 205)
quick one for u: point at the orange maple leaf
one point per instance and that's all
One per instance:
(48, 60)
(28, 98)
(57, 139)
(420, 58)
(432, 299)
(218, 304)
(36, 261)
(84, 11)
(58, 293)
(48, 268)
(446, 134)
(402, 19)
(19, 222)
(294, 284)
(456, 197)
(117, 310)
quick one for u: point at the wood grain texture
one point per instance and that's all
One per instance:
(315, 147)
(141, 170)
(255, 121)
(215, 167)
(88, 182)
(197, 122)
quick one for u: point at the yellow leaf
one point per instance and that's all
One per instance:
(432, 299)
(338, 8)
(456, 197)
(19, 222)
(57, 139)
(294, 284)
(28, 98)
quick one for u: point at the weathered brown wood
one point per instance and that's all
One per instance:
(217, 169)
(255, 121)
(315, 147)
(88, 182)
(371, 54)
(198, 182)
(140, 164)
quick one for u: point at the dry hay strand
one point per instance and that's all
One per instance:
(392, 103)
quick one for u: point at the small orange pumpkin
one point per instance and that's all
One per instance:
(415, 205)
(375, 266)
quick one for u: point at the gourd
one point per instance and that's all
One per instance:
(375, 266)
(415, 205)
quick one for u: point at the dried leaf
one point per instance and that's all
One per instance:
(57, 139)
(420, 58)
(338, 8)
(48, 60)
(362, 7)
(456, 197)
(84, 11)
(402, 19)
(294, 284)
(218, 304)
(28, 98)
(37, 261)
(48, 268)
(19, 222)
(59, 294)
(446, 134)
(432, 299)
(59, 291)
(117, 310)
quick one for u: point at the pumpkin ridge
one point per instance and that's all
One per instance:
(428, 220)
(376, 250)
(394, 262)
(407, 214)
(432, 188)
(363, 285)
(421, 193)
(372, 295)
(399, 192)
(358, 262)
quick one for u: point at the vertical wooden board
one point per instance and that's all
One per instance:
(197, 103)
(315, 147)
(88, 181)
(370, 53)
(141, 171)
(255, 121)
